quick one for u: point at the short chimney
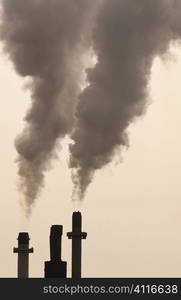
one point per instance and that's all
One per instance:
(55, 267)
(23, 251)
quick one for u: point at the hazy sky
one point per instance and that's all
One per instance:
(132, 209)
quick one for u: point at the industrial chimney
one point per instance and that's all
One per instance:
(23, 251)
(55, 267)
(76, 235)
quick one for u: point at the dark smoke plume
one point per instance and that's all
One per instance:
(45, 41)
(129, 34)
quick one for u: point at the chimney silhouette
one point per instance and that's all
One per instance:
(55, 267)
(23, 251)
(76, 235)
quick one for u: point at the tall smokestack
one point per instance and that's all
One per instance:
(23, 251)
(55, 267)
(76, 235)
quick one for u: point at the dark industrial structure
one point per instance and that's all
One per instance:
(55, 267)
(23, 251)
(76, 235)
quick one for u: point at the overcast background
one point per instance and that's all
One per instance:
(132, 209)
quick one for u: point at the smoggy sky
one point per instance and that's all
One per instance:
(131, 210)
(48, 49)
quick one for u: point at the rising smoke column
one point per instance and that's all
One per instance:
(128, 36)
(45, 40)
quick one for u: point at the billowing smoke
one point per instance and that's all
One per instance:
(45, 41)
(128, 35)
